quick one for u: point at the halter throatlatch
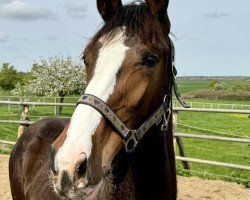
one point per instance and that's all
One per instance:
(162, 114)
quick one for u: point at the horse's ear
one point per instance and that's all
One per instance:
(158, 7)
(107, 8)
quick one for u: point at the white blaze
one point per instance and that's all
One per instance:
(86, 119)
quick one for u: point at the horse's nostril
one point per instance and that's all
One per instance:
(55, 172)
(82, 167)
(53, 169)
(52, 163)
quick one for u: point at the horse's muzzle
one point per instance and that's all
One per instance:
(69, 177)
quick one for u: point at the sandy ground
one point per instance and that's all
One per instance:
(4, 178)
(189, 188)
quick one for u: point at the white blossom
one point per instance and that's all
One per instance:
(57, 76)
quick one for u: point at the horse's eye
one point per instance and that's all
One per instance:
(150, 60)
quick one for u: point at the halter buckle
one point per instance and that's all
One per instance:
(164, 126)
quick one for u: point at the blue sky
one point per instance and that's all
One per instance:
(212, 37)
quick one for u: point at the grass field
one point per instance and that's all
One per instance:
(231, 125)
(189, 85)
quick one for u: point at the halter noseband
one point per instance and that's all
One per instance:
(132, 137)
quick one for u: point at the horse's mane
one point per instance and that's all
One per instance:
(138, 21)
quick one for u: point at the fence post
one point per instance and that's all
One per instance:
(24, 117)
(175, 127)
(178, 140)
(55, 108)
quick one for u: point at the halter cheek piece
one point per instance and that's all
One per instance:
(132, 137)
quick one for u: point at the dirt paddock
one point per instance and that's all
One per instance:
(189, 188)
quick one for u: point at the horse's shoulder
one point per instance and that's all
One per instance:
(30, 155)
(38, 137)
(47, 128)
(44, 130)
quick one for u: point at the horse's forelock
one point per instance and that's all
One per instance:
(136, 20)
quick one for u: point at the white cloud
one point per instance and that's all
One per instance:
(216, 14)
(23, 11)
(52, 39)
(5, 1)
(75, 9)
(12, 48)
(3, 37)
(22, 39)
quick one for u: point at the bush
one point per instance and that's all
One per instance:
(241, 87)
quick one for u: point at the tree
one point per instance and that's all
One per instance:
(57, 76)
(8, 77)
(213, 83)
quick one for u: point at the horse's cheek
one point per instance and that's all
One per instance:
(135, 89)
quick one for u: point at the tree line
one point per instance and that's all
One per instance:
(10, 77)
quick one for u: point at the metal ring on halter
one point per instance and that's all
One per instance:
(167, 99)
(167, 110)
(164, 126)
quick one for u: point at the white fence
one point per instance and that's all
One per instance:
(233, 106)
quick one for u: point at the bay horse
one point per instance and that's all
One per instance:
(119, 142)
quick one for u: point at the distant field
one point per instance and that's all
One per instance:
(231, 125)
(192, 85)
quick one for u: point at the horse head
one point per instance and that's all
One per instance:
(126, 68)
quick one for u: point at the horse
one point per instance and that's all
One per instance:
(118, 143)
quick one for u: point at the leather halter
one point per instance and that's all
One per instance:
(132, 137)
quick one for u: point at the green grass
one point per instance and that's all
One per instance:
(229, 125)
(223, 124)
(191, 85)
(9, 131)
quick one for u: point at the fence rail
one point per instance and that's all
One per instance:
(7, 142)
(16, 122)
(216, 105)
(212, 110)
(212, 137)
(23, 103)
(215, 163)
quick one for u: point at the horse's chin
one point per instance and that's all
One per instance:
(79, 193)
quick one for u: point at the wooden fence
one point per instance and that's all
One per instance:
(24, 122)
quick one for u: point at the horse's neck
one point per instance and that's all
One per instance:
(154, 166)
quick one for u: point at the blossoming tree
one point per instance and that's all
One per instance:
(57, 75)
